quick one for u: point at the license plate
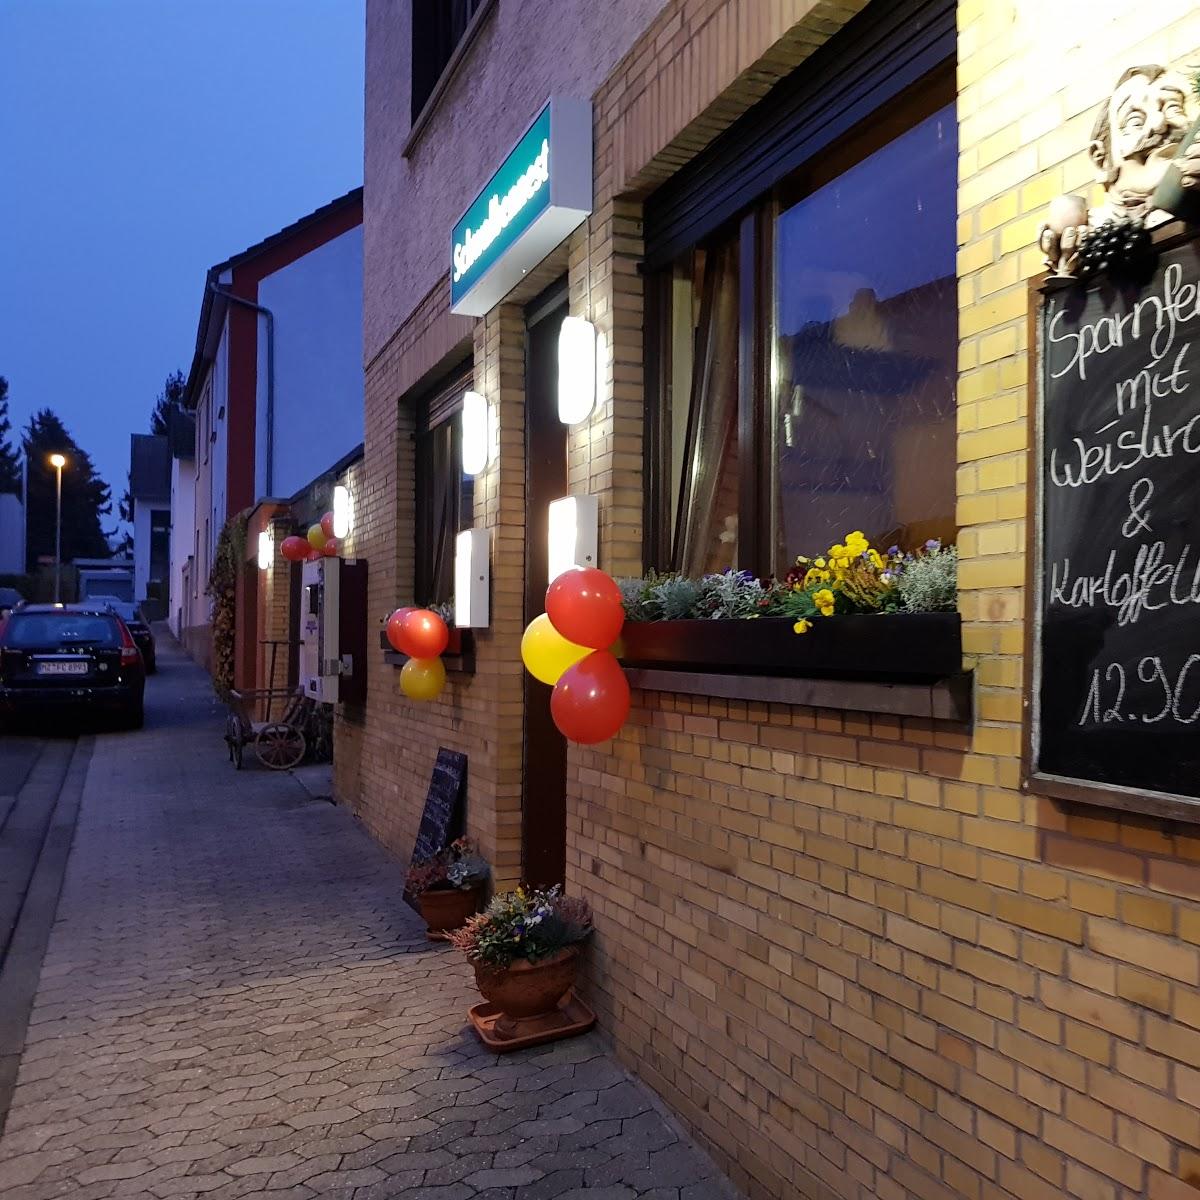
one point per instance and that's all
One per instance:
(62, 668)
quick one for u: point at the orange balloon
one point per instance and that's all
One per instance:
(584, 605)
(295, 548)
(425, 634)
(590, 702)
(395, 628)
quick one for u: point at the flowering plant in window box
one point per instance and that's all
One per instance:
(896, 615)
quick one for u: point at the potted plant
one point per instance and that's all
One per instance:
(525, 948)
(449, 886)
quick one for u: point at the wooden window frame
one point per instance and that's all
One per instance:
(754, 229)
(420, 119)
(435, 409)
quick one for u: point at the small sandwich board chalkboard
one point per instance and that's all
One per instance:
(442, 820)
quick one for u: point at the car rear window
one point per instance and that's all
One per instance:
(34, 631)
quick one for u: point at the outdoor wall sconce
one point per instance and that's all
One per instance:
(577, 354)
(266, 550)
(472, 578)
(342, 511)
(476, 426)
(574, 533)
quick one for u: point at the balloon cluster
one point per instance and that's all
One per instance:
(422, 635)
(319, 542)
(568, 648)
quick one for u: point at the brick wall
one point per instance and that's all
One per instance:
(847, 949)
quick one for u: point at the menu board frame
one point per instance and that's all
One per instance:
(1077, 790)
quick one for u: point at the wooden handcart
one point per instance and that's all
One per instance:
(303, 729)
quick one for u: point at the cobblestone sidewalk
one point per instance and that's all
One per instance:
(236, 1002)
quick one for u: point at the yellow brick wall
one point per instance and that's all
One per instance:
(847, 949)
(853, 956)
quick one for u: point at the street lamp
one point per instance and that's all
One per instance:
(58, 461)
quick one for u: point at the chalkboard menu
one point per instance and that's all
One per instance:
(442, 819)
(1115, 636)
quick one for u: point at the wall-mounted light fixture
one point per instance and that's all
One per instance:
(574, 534)
(476, 427)
(266, 550)
(472, 578)
(343, 511)
(577, 353)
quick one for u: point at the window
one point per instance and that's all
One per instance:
(437, 28)
(444, 495)
(805, 357)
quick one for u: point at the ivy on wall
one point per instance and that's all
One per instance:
(222, 587)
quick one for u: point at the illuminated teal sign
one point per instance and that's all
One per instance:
(538, 195)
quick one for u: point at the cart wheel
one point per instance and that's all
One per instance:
(234, 740)
(279, 746)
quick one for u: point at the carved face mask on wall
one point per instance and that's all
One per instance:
(1136, 135)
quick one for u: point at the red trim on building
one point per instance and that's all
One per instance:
(241, 418)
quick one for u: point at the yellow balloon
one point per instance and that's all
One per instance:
(546, 653)
(316, 536)
(423, 678)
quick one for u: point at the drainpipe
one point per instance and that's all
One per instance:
(269, 474)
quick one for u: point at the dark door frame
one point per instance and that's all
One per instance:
(543, 748)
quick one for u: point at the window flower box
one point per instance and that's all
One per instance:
(888, 647)
(459, 654)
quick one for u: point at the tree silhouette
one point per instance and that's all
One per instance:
(85, 496)
(170, 397)
(10, 460)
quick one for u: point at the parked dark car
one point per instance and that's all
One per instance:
(137, 624)
(78, 656)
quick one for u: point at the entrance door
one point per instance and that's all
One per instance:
(544, 808)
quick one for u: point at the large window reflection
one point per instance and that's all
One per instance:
(866, 345)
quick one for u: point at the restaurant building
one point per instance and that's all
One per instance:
(851, 924)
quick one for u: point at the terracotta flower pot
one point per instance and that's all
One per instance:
(529, 989)
(448, 908)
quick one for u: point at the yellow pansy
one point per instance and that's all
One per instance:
(802, 626)
(819, 562)
(824, 600)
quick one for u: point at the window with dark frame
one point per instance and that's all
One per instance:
(437, 28)
(802, 360)
(444, 495)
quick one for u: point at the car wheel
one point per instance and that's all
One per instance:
(135, 715)
(151, 666)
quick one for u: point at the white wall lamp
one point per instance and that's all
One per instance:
(266, 550)
(578, 351)
(472, 578)
(476, 425)
(574, 534)
(343, 511)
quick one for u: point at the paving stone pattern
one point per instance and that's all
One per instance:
(236, 1002)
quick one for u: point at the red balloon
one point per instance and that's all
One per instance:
(332, 548)
(395, 628)
(313, 555)
(424, 633)
(295, 549)
(327, 524)
(584, 605)
(590, 702)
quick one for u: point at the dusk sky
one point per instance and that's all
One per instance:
(142, 141)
